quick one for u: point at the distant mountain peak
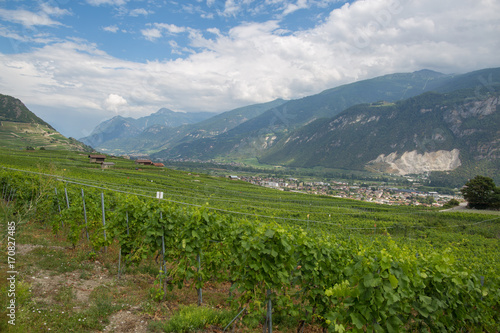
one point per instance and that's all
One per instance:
(120, 127)
(164, 111)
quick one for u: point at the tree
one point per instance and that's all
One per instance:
(481, 193)
(452, 203)
(496, 199)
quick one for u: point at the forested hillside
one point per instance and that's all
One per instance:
(429, 132)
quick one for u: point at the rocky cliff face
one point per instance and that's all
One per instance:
(455, 117)
(411, 162)
(460, 120)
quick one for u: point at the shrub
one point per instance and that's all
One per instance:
(451, 203)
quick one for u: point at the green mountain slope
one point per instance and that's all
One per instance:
(480, 81)
(429, 132)
(20, 128)
(253, 137)
(12, 109)
(114, 128)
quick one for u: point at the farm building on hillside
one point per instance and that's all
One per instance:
(107, 165)
(144, 162)
(161, 165)
(94, 158)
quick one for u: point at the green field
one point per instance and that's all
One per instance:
(322, 261)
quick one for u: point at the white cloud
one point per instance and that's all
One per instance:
(27, 18)
(290, 8)
(107, 2)
(111, 28)
(214, 31)
(32, 19)
(54, 11)
(14, 37)
(151, 34)
(170, 28)
(231, 8)
(114, 102)
(139, 11)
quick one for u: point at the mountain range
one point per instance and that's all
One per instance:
(429, 132)
(402, 123)
(255, 136)
(120, 127)
(117, 136)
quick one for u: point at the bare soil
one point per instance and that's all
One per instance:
(126, 321)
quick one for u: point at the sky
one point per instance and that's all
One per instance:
(76, 63)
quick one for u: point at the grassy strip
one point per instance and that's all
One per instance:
(192, 318)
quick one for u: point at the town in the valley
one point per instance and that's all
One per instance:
(389, 195)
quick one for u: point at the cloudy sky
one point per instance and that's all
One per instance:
(78, 62)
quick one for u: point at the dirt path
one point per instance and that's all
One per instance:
(463, 209)
(47, 286)
(126, 321)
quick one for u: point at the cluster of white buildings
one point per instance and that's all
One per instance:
(377, 194)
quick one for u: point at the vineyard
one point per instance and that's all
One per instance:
(339, 265)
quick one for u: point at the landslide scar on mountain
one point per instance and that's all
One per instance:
(413, 162)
